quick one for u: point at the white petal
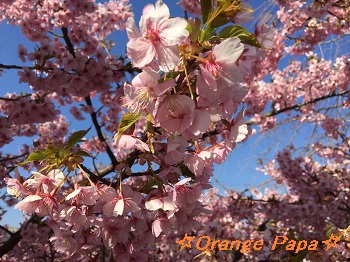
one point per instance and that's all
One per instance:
(119, 208)
(154, 204)
(228, 51)
(131, 29)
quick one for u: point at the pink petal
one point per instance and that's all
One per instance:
(228, 51)
(183, 181)
(168, 57)
(131, 29)
(140, 52)
(119, 208)
(169, 204)
(240, 129)
(154, 204)
(200, 122)
(74, 193)
(156, 228)
(207, 78)
(174, 31)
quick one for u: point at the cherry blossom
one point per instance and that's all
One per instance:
(157, 39)
(220, 65)
(134, 183)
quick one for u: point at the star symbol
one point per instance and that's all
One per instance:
(186, 241)
(332, 241)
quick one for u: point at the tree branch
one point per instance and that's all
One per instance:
(274, 112)
(302, 104)
(16, 67)
(12, 157)
(6, 230)
(16, 237)
(68, 41)
(99, 133)
(11, 243)
(95, 177)
(89, 103)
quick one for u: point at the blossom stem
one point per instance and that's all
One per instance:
(188, 81)
(120, 181)
(198, 148)
(59, 185)
(198, 58)
(86, 175)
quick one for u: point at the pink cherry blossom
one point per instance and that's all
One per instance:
(128, 201)
(186, 194)
(139, 212)
(75, 216)
(175, 113)
(115, 230)
(264, 33)
(33, 204)
(219, 69)
(161, 202)
(158, 38)
(48, 182)
(84, 195)
(238, 131)
(14, 187)
(127, 142)
(143, 91)
(64, 244)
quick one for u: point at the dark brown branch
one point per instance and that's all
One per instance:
(16, 237)
(16, 67)
(145, 173)
(106, 170)
(100, 134)
(95, 177)
(274, 112)
(89, 103)
(13, 157)
(11, 243)
(68, 41)
(6, 230)
(302, 104)
(123, 69)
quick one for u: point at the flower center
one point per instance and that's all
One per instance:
(211, 66)
(152, 33)
(174, 108)
(144, 96)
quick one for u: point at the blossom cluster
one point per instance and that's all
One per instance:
(180, 113)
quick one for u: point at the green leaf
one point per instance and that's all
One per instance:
(205, 35)
(82, 153)
(206, 8)
(127, 121)
(219, 21)
(291, 234)
(213, 20)
(196, 30)
(300, 257)
(186, 172)
(170, 75)
(220, 8)
(36, 156)
(75, 137)
(328, 233)
(150, 133)
(241, 33)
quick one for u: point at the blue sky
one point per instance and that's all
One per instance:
(237, 172)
